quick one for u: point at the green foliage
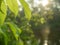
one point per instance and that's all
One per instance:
(5, 36)
(26, 9)
(3, 10)
(13, 6)
(9, 31)
(15, 30)
(20, 42)
(42, 20)
(0, 3)
(24, 28)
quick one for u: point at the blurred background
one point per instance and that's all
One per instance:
(43, 28)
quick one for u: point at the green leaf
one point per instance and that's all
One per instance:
(3, 10)
(42, 20)
(15, 30)
(5, 36)
(0, 3)
(13, 6)
(20, 42)
(26, 9)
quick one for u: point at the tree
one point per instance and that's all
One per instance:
(9, 31)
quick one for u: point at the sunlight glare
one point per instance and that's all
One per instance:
(45, 42)
(44, 2)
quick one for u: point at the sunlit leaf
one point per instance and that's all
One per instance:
(42, 20)
(26, 9)
(15, 30)
(2, 12)
(13, 6)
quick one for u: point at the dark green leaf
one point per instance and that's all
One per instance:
(5, 36)
(0, 3)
